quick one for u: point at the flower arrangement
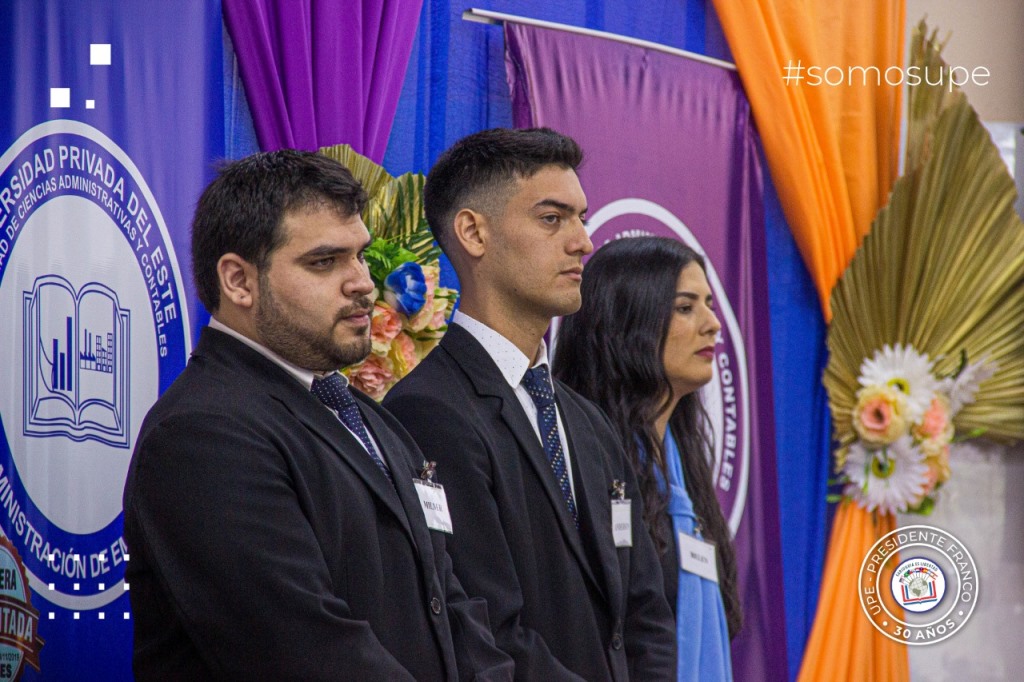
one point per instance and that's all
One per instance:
(937, 280)
(903, 426)
(410, 309)
(410, 315)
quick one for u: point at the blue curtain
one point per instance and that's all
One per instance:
(455, 85)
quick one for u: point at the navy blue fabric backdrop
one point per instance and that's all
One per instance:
(93, 259)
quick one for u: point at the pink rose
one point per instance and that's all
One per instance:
(373, 376)
(935, 422)
(878, 417)
(384, 325)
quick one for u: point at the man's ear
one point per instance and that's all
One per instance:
(470, 230)
(239, 280)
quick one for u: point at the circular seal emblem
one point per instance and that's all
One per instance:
(727, 397)
(923, 599)
(94, 329)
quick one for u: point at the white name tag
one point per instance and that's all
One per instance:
(435, 505)
(622, 523)
(698, 557)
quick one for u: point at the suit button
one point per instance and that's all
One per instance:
(435, 606)
(617, 641)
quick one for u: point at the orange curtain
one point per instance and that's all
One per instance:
(833, 155)
(843, 644)
(832, 150)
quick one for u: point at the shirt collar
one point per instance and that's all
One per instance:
(511, 361)
(303, 376)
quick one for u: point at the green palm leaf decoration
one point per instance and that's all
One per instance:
(943, 266)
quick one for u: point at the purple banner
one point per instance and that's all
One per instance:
(670, 150)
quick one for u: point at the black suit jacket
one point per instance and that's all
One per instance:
(265, 544)
(565, 603)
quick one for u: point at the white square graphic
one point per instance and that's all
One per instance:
(126, 615)
(60, 98)
(99, 54)
(102, 615)
(90, 104)
(77, 614)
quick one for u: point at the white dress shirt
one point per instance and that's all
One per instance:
(303, 376)
(512, 364)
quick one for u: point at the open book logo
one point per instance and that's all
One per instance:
(76, 368)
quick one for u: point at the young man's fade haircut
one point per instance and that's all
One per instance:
(243, 209)
(478, 172)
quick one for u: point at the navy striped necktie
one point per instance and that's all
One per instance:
(333, 391)
(537, 383)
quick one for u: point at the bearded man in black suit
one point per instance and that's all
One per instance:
(274, 526)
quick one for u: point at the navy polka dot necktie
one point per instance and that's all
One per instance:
(537, 383)
(334, 392)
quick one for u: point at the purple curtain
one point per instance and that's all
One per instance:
(323, 72)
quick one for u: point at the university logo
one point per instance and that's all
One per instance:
(727, 397)
(19, 622)
(924, 599)
(94, 329)
(918, 584)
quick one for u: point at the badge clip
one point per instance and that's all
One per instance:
(428, 471)
(618, 490)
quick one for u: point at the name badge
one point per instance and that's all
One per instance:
(698, 557)
(435, 505)
(622, 523)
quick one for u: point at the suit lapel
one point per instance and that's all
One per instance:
(321, 421)
(488, 381)
(261, 374)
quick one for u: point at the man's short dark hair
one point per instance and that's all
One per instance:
(242, 210)
(478, 172)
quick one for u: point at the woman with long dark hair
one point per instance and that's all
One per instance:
(641, 347)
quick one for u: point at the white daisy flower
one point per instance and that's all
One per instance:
(890, 479)
(903, 368)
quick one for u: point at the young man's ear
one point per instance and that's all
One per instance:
(470, 230)
(239, 280)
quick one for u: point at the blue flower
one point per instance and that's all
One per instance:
(406, 288)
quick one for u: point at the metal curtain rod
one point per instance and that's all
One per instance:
(483, 16)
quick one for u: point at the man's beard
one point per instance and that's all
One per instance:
(309, 349)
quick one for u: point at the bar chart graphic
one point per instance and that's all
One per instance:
(76, 362)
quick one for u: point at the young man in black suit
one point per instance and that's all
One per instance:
(274, 527)
(533, 471)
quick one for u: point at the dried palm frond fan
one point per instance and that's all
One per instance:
(926, 343)
(939, 279)
(395, 210)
